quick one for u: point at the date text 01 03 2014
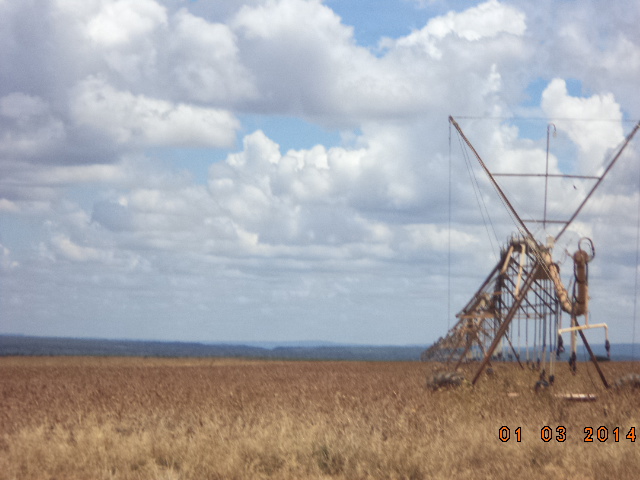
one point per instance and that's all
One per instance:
(559, 434)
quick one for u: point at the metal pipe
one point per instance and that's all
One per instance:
(593, 189)
(507, 320)
(546, 175)
(551, 175)
(585, 327)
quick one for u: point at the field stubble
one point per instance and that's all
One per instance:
(110, 418)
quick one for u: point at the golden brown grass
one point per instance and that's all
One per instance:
(109, 418)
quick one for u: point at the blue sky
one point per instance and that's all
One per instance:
(278, 170)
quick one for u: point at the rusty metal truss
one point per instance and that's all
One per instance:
(523, 296)
(519, 290)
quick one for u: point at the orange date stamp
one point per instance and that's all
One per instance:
(559, 434)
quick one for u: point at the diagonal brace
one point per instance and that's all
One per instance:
(507, 320)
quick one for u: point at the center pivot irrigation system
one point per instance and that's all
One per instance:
(524, 294)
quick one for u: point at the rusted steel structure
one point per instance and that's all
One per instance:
(524, 297)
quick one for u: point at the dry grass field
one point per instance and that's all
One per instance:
(116, 418)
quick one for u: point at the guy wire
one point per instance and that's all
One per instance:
(635, 291)
(479, 200)
(449, 242)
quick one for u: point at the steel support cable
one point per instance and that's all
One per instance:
(508, 210)
(543, 314)
(480, 199)
(553, 328)
(449, 239)
(523, 227)
(535, 356)
(476, 190)
(519, 343)
(635, 298)
(513, 200)
(526, 332)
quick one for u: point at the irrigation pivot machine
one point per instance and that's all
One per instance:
(524, 293)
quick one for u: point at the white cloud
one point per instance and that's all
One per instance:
(207, 65)
(27, 127)
(79, 174)
(578, 41)
(124, 34)
(21, 107)
(301, 204)
(421, 238)
(296, 50)
(71, 251)
(8, 206)
(306, 62)
(138, 119)
(306, 19)
(6, 260)
(594, 125)
(485, 21)
(117, 23)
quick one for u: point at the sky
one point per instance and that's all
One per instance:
(284, 170)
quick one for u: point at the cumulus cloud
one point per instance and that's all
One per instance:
(324, 75)
(117, 23)
(72, 251)
(123, 33)
(300, 197)
(295, 49)
(138, 119)
(594, 125)
(27, 127)
(314, 204)
(577, 41)
(486, 20)
(207, 66)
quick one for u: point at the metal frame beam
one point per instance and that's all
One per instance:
(505, 324)
(597, 184)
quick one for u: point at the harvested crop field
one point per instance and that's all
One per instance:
(134, 418)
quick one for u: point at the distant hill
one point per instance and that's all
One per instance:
(51, 346)
(11, 345)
